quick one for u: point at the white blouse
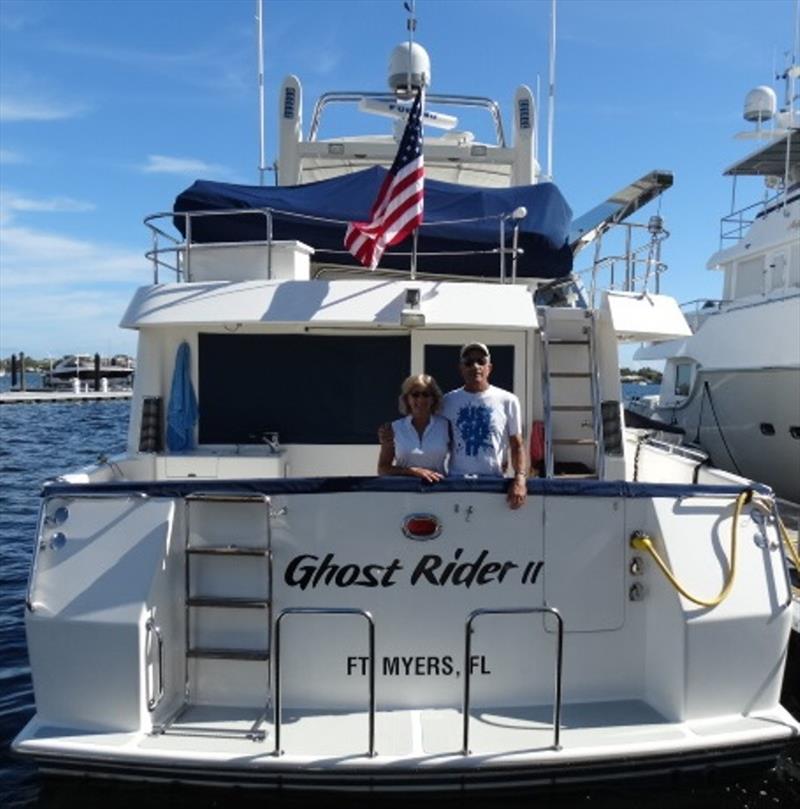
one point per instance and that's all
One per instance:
(428, 452)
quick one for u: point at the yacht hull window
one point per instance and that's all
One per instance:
(307, 389)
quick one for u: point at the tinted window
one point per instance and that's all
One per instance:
(441, 362)
(308, 389)
(683, 378)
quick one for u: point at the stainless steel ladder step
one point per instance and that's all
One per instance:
(588, 442)
(570, 375)
(559, 342)
(230, 602)
(200, 717)
(225, 497)
(212, 653)
(572, 408)
(228, 550)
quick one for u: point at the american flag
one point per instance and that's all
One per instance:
(397, 210)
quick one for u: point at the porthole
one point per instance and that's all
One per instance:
(767, 428)
(794, 431)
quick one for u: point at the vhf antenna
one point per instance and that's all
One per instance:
(411, 26)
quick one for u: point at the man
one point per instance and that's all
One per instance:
(486, 425)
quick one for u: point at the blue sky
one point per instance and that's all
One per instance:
(109, 108)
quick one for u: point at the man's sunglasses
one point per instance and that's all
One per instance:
(467, 361)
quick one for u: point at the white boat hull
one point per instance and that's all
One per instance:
(649, 684)
(727, 424)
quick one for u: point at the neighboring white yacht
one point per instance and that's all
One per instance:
(238, 599)
(734, 384)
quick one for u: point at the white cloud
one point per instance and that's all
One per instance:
(163, 164)
(44, 322)
(223, 65)
(11, 202)
(62, 294)
(9, 157)
(33, 258)
(14, 110)
(327, 60)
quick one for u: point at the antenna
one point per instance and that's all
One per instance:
(538, 135)
(411, 25)
(551, 101)
(262, 166)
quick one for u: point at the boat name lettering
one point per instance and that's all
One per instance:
(414, 665)
(307, 570)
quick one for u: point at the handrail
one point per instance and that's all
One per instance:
(652, 267)
(29, 605)
(323, 611)
(558, 673)
(548, 418)
(430, 98)
(183, 249)
(152, 629)
(127, 495)
(738, 222)
(597, 409)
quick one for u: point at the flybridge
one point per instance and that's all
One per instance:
(455, 156)
(467, 230)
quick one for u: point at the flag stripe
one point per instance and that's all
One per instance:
(399, 204)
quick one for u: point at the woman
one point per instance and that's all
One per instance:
(417, 444)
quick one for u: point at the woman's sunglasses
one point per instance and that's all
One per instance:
(425, 394)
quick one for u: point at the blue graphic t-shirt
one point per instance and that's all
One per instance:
(482, 423)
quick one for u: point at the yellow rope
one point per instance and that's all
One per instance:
(642, 542)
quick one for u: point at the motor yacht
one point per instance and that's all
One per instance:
(118, 370)
(238, 599)
(733, 385)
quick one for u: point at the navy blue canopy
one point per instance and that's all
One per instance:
(543, 232)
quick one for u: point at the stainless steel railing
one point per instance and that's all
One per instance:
(152, 631)
(371, 670)
(478, 102)
(177, 256)
(635, 268)
(558, 668)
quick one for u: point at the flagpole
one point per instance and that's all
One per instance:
(413, 272)
(551, 91)
(262, 167)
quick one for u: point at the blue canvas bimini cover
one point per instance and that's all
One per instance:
(543, 232)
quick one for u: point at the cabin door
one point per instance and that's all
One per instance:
(436, 352)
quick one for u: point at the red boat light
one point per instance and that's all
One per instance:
(422, 526)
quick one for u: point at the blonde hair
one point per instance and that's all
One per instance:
(419, 381)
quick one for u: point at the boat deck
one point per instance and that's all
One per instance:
(415, 745)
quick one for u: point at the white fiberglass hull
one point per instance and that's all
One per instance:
(145, 661)
(743, 418)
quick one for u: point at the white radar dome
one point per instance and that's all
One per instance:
(402, 61)
(760, 104)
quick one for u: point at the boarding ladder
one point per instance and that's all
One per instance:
(222, 593)
(573, 414)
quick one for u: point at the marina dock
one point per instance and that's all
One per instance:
(41, 396)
